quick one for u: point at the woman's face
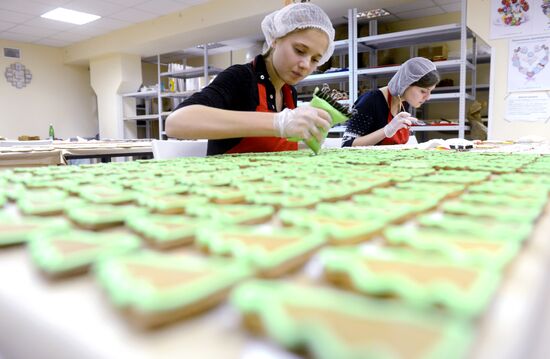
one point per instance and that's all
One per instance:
(297, 54)
(416, 96)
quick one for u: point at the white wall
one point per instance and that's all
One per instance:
(479, 15)
(111, 76)
(58, 93)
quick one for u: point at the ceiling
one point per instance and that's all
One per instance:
(20, 19)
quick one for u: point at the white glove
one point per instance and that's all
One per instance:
(302, 122)
(401, 120)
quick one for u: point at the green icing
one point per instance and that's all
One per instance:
(15, 230)
(416, 278)
(231, 213)
(163, 229)
(263, 248)
(334, 324)
(479, 249)
(57, 252)
(503, 214)
(337, 229)
(470, 225)
(98, 215)
(384, 211)
(106, 194)
(502, 199)
(174, 287)
(169, 202)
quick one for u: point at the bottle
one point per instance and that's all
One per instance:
(51, 132)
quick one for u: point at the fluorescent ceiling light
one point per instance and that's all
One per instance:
(70, 16)
(371, 14)
(211, 45)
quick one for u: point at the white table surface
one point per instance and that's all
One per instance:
(71, 318)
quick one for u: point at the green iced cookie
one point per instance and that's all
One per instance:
(74, 251)
(332, 324)
(153, 288)
(416, 278)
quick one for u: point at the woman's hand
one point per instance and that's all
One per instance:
(302, 122)
(401, 120)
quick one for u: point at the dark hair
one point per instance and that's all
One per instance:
(428, 80)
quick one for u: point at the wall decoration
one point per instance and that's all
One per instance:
(511, 18)
(542, 17)
(18, 75)
(527, 107)
(528, 67)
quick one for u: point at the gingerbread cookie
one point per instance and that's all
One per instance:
(333, 324)
(164, 231)
(44, 202)
(472, 226)
(221, 195)
(416, 278)
(106, 194)
(272, 252)
(339, 230)
(454, 176)
(14, 229)
(503, 214)
(100, 216)
(232, 213)
(169, 203)
(72, 252)
(284, 200)
(478, 249)
(154, 289)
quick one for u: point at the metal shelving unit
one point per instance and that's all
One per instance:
(149, 96)
(411, 39)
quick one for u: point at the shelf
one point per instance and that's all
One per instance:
(326, 77)
(448, 96)
(191, 73)
(442, 66)
(480, 87)
(141, 117)
(143, 94)
(154, 94)
(411, 37)
(341, 47)
(437, 128)
(340, 76)
(184, 94)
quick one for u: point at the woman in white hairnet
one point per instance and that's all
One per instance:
(252, 107)
(381, 117)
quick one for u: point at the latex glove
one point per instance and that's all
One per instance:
(401, 120)
(302, 122)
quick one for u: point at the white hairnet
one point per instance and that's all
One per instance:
(298, 16)
(410, 71)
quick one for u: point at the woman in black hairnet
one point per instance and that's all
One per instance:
(380, 114)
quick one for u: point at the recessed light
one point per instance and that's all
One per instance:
(70, 16)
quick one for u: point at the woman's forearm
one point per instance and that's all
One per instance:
(198, 121)
(369, 140)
